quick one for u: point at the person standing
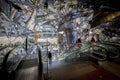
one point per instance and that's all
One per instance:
(50, 57)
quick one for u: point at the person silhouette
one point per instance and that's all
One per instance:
(50, 57)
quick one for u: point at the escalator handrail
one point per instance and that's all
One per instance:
(91, 45)
(4, 64)
(117, 47)
(100, 47)
(114, 45)
(3, 48)
(94, 45)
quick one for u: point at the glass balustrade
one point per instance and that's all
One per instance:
(11, 58)
(100, 51)
(113, 50)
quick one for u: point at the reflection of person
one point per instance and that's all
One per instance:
(50, 57)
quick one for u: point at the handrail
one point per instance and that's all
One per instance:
(16, 59)
(3, 48)
(5, 70)
(116, 47)
(40, 64)
(111, 41)
(4, 65)
(91, 45)
(100, 47)
(111, 44)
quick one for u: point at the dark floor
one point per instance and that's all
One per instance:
(87, 70)
(81, 71)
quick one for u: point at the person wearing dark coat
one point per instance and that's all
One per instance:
(50, 57)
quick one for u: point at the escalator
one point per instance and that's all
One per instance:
(17, 59)
(11, 57)
(31, 65)
(113, 49)
(76, 63)
(100, 51)
(86, 51)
